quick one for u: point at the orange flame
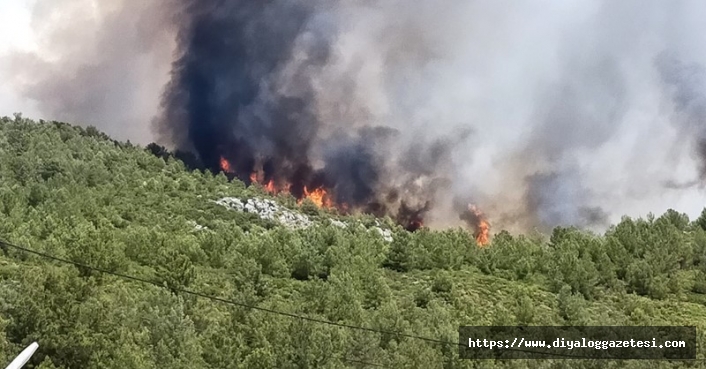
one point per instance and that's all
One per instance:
(225, 165)
(270, 187)
(318, 196)
(482, 233)
(482, 226)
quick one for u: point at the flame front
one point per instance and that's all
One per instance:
(318, 196)
(270, 187)
(322, 198)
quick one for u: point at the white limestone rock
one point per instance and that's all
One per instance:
(270, 210)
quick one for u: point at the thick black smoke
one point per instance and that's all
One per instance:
(224, 98)
(243, 91)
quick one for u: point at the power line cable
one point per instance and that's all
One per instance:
(6, 245)
(364, 363)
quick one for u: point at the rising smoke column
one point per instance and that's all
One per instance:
(579, 114)
(596, 143)
(225, 95)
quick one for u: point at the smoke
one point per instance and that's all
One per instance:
(540, 113)
(577, 114)
(559, 198)
(598, 137)
(249, 86)
(100, 63)
(686, 84)
(232, 85)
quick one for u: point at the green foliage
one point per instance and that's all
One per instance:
(75, 194)
(701, 220)
(308, 207)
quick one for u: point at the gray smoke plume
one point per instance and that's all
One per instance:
(540, 113)
(686, 84)
(100, 63)
(578, 114)
(559, 198)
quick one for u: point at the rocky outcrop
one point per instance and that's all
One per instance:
(269, 209)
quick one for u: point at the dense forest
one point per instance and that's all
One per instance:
(268, 296)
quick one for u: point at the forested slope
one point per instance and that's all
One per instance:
(76, 194)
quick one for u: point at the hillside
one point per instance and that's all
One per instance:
(75, 194)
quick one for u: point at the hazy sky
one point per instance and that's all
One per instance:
(15, 33)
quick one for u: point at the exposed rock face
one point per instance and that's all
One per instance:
(269, 209)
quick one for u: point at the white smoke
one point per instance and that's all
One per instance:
(100, 63)
(563, 91)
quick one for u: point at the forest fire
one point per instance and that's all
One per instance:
(410, 218)
(476, 219)
(319, 197)
(242, 101)
(270, 187)
(225, 166)
(482, 233)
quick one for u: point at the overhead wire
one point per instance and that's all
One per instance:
(5, 245)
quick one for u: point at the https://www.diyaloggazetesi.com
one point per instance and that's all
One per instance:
(559, 343)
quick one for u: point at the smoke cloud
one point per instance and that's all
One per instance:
(100, 63)
(540, 113)
(686, 84)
